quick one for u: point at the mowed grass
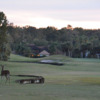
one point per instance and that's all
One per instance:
(77, 79)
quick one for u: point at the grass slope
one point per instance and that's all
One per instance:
(77, 79)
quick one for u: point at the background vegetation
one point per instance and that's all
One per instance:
(71, 42)
(75, 42)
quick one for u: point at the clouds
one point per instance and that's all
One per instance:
(50, 12)
(50, 4)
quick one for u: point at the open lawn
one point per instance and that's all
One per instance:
(77, 79)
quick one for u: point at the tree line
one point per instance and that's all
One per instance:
(76, 42)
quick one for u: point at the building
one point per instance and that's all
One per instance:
(44, 53)
(38, 51)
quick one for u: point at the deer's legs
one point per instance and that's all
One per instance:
(1, 79)
(7, 78)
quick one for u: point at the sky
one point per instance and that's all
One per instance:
(55, 13)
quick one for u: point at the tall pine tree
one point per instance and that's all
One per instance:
(4, 48)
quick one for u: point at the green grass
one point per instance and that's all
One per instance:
(77, 79)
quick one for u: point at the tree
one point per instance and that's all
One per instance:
(51, 34)
(53, 47)
(4, 46)
(67, 48)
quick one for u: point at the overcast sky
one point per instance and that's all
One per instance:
(57, 13)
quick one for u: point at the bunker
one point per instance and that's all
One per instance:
(34, 80)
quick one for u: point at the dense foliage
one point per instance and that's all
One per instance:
(75, 42)
(4, 45)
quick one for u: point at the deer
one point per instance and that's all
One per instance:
(5, 73)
